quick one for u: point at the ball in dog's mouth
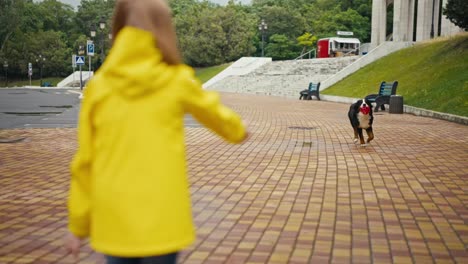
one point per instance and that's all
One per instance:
(365, 110)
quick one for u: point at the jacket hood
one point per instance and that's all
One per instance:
(134, 66)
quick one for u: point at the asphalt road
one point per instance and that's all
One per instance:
(44, 108)
(38, 108)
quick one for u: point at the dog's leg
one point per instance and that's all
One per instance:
(370, 134)
(355, 135)
(361, 137)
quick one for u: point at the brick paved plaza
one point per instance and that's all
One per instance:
(299, 191)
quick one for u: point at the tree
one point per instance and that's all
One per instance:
(239, 28)
(31, 28)
(457, 12)
(285, 22)
(58, 56)
(181, 6)
(281, 48)
(326, 5)
(50, 45)
(90, 13)
(56, 15)
(17, 19)
(210, 34)
(364, 8)
(335, 20)
(262, 3)
(282, 21)
(307, 40)
(10, 19)
(201, 36)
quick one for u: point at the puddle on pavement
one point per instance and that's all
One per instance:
(305, 144)
(57, 106)
(31, 113)
(11, 140)
(302, 128)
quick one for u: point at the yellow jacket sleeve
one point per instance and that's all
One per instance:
(79, 196)
(207, 108)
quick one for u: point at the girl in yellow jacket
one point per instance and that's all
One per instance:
(129, 190)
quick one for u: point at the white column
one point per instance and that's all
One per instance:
(383, 21)
(403, 14)
(398, 20)
(423, 27)
(379, 19)
(437, 13)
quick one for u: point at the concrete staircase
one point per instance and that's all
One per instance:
(242, 66)
(282, 78)
(73, 80)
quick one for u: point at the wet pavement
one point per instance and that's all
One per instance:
(38, 108)
(298, 191)
(45, 108)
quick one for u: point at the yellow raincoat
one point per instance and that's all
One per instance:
(129, 190)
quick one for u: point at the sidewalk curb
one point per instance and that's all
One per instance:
(406, 109)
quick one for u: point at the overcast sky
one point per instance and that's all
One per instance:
(75, 3)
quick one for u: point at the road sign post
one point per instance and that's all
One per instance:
(90, 52)
(74, 65)
(81, 80)
(80, 61)
(30, 72)
(89, 67)
(90, 48)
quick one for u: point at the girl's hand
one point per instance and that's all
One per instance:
(72, 244)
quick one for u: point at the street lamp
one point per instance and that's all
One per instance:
(40, 61)
(5, 66)
(102, 26)
(93, 33)
(263, 27)
(81, 52)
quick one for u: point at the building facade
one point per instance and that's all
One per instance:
(413, 20)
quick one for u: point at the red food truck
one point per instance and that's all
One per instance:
(337, 47)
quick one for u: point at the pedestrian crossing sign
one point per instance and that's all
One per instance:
(80, 60)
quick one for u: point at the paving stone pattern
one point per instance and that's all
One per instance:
(298, 191)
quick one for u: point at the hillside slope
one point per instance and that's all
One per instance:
(432, 75)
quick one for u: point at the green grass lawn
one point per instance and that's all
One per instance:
(204, 74)
(431, 75)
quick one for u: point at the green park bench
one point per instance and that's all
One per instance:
(386, 90)
(313, 90)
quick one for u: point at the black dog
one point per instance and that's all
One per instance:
(361, 117)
